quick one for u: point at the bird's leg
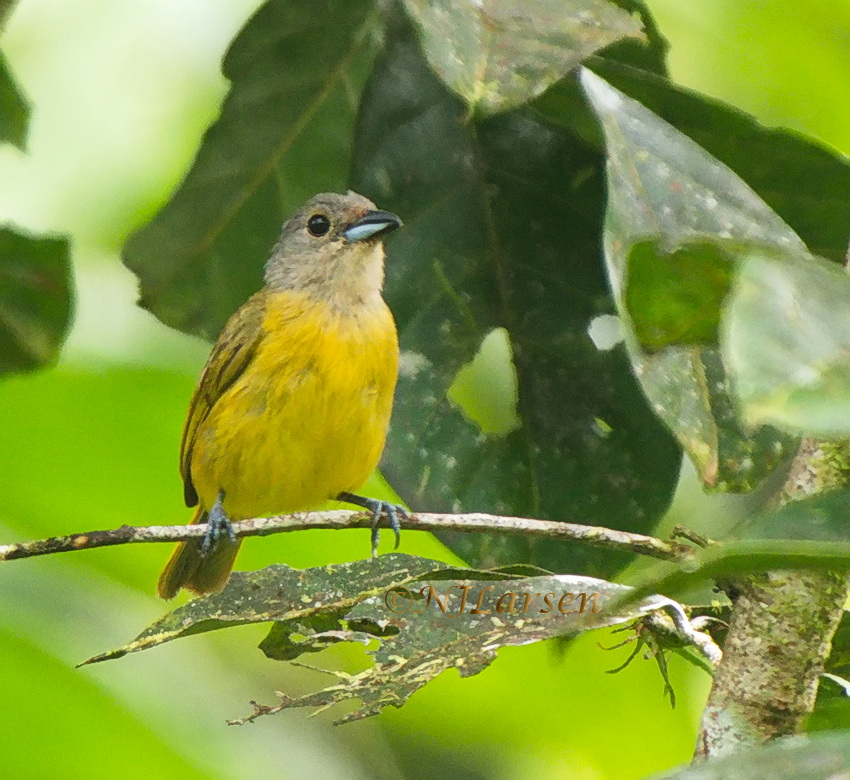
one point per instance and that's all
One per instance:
(377, 508)
(218, 523)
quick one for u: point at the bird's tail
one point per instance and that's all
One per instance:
(188, 568)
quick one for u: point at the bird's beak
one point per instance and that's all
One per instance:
(373, 224)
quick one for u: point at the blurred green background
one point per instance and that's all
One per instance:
(121, 94)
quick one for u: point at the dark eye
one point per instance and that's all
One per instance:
(318, 225)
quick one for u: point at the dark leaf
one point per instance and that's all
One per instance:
(35, 299)
(839, 659)
(662, 186)
(280, 593)
(498, 54)
(646, 53)
(424, 623)
(14, 109)
(284, 133)
(429, 627)
(502, 222)
(565, 104)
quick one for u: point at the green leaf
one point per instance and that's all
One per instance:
(786, 342)
(662, 186)
(818, 518)
(645, 53)
(502, 224)
(735, 559)
(832, 708)
(434, 626)
(810, 533)
(842, 684)
(806, 184)
(284, 133)
(839, 659)
(35, 299)
(281, 593)
(818, 757)
(6, 8)
(14, 108)
(425, 622)
(499, 54)
(782, 319)
(676, 297)
(830, 715)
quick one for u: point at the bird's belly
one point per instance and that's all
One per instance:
(289, 436)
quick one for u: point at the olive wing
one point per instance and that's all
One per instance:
(232, 353)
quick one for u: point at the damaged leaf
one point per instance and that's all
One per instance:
(424, 628)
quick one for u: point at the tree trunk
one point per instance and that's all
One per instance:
(781, 630)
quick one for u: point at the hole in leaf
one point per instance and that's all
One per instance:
(605, 331)
(371, 627)
(486, 388)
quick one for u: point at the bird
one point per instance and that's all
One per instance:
(293, 405)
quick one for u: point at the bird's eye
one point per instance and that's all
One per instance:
(318, 225)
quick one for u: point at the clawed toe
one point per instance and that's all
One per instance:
(379, 508)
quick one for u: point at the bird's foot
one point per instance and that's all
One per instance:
(378, 508)
(218, 525)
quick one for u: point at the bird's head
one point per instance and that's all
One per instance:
(332, 247)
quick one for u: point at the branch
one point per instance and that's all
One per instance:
(337, 519)
(691, 632)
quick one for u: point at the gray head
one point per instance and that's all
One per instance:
(331, 247)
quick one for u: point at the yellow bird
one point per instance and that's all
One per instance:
(293, 405)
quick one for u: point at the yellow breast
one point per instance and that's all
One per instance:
(308, 417)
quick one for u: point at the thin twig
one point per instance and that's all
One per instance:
(337, 519)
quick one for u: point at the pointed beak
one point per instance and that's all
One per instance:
(373, 224)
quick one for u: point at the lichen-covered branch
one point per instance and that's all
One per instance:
(781, 630)
(593, 535)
